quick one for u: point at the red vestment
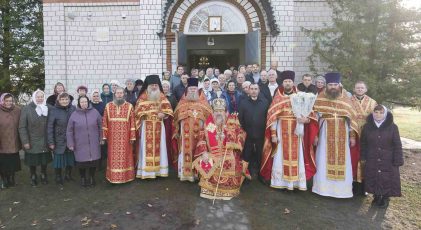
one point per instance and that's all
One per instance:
(118, 130)
(189, 116)
(281, 109)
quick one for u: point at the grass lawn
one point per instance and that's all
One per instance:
(409, 122)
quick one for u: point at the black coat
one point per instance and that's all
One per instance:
(58, 117)
(173, 101)
(178, 91)
(252, 116)
(100, 107)
(381, 148)
(265, 92)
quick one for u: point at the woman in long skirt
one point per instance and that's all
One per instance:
(33, 135)
(9, 140)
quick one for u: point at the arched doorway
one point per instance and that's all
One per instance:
(215, 33)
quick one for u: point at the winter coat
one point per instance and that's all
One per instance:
(310, 89)
(84, 133)
(106, 98)
(381, 149)
(173, 101)
(179, 91)
(58, 116)
(252, 116)
(9, 134)
(33, 129)
(100, 107)
(131, 96)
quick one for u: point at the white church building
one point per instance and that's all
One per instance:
(91, 42)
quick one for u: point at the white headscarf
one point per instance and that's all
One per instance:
(379, 123)
(41, 109)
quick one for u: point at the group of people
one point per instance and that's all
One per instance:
(215, 128)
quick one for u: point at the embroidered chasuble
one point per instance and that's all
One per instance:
(118, 130)
(151, 147)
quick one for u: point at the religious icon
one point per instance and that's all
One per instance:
(215, 23)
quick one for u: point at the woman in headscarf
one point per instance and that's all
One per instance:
(58, 118)
(320, 83)
(97, 103)
(9, 140)
(381, 149)
(58, 89)
(106, 95)
(33, 131)
(84, 135)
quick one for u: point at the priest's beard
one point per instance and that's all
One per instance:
(192, 96)
(153, 95)
(333, 93)
(119, 101)
(219, 119)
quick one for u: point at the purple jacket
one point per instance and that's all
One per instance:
(84, 134)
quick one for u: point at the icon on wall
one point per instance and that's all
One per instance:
(215, 24)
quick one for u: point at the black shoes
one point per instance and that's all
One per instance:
(380, 201)
(384, 202)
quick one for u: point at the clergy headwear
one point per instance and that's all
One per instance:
(288, 74)
(333, 77)
(192, 82)
(149, 80)
(219, 104)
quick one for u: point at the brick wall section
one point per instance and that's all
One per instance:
(282, 46)
(310, 15)
(74, 56)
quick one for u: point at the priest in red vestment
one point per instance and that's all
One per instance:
(288, 159)
(119, 131)
(152, 108)
(189, 118)
(338, 131)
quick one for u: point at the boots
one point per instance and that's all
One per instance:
(376, 199)
(3, 182)
(44, 179)
(59, 178)
(34, 181)
(383, 202)
(68, 174)
(82, 173)
(91, 181)
(12, 182)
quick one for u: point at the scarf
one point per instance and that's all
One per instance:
(41, 109)
(379, 123)
(2, 102)
(232, 100)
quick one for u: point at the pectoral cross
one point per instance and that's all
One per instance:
(195, 113)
